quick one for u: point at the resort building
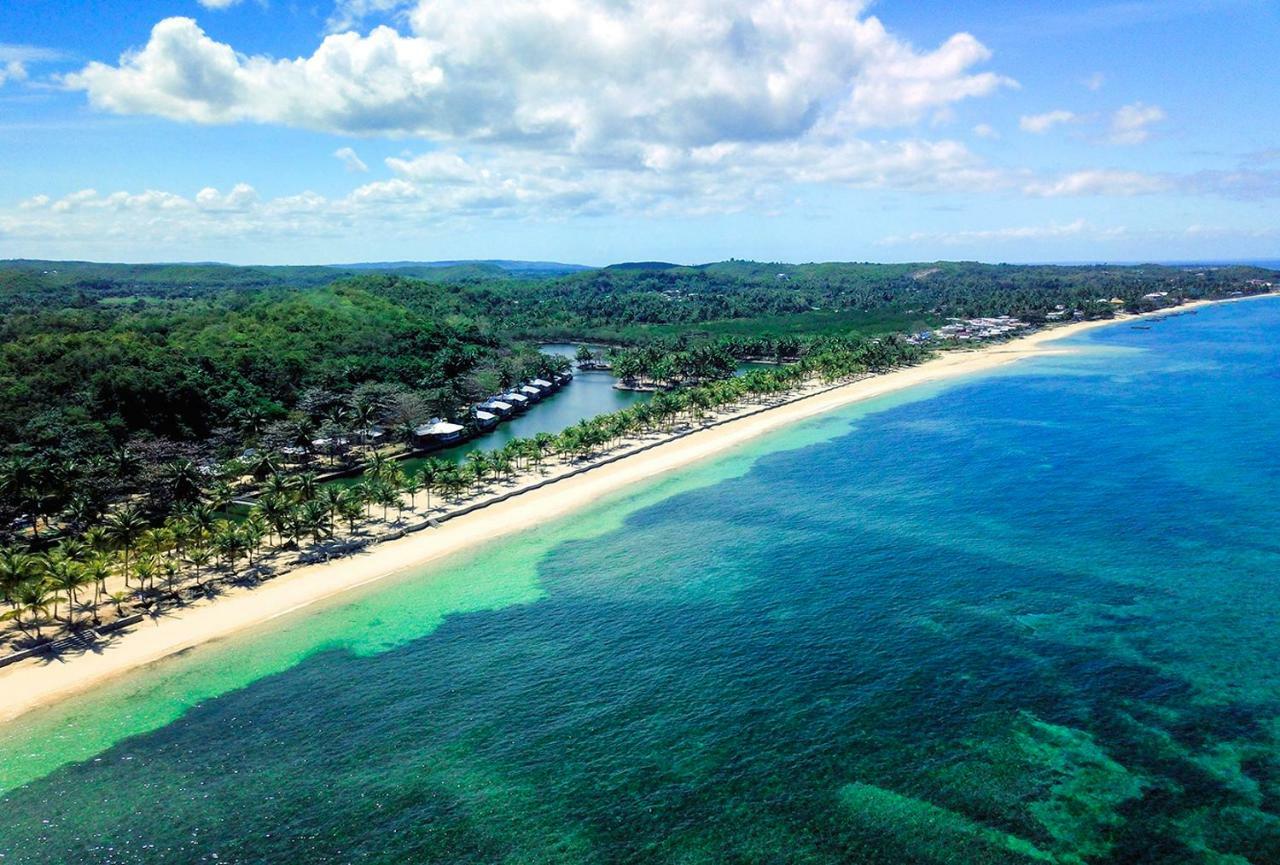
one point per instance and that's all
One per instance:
(438, 433)
(498, 407)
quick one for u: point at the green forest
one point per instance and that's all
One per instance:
(110, 375)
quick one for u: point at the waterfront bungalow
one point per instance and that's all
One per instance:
(533, 393)
(484, 420)
(438, 433)
(543, 385)
(519, 402)
(562, 378)
(498, 407)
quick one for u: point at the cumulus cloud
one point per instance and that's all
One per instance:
(350, 160)
(985, 130)
(1039, 124)
(591, 75)
(1129, 125)
(219, 4)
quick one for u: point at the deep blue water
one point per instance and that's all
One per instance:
(1029, 617)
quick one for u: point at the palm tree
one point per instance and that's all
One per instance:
(351, 506)
(277, 486)
(183, 478)
(171, 570)
(253, 530)
(202, 520)
(314, 518)
(375, 465)
(429, 477)
(306, 485)
(118, 598)
(98, 569)
(34, 597)
(478, 465)
(228, 542)
(65, 575)
(199, 557)
(331, 497)
(16, 567)
(124, 527)
(274, 512)
(146, 570)
(387, 496)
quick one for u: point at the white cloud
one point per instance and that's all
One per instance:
(14, 70)
(16, 60)
(1095, 81)
(350, 160)
(1129, 124)
(1039, 124)
(1100, 182)
(349, 14)
(590, 75)
(985, 130)
(1015, 233)
(219, 4)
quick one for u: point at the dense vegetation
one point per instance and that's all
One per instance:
(114, 379)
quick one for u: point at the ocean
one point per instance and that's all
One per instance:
(1029, 616)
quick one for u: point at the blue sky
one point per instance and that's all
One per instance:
(594, 131)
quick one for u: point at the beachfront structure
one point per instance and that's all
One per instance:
(519, 402)
(438, 433)
(533, 393)
(498, 407)
(563, 378)
(484, 420)
(543, 385)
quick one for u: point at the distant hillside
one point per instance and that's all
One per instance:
(643, 265)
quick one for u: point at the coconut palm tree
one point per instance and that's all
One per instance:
(252, 531)
(306, 486)
(376, 464)
(478, 464)
(125, 527)
(65, 575)
(199, 557)
(331, 497)
(277, 486)
(229, 543)
(183, 479)
(146, 571)
(16, 568)
(433, 473)
(35, 597)
(98, 570)
(351, 507)
(119, 598)
(314, 517)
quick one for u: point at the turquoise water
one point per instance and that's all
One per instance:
(1029, 617)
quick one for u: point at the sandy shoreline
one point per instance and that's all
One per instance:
(33, 684)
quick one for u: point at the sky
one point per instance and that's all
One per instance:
(598, 131)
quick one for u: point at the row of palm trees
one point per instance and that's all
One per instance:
(128, 558)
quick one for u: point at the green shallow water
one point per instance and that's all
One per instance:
(1029, 617)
